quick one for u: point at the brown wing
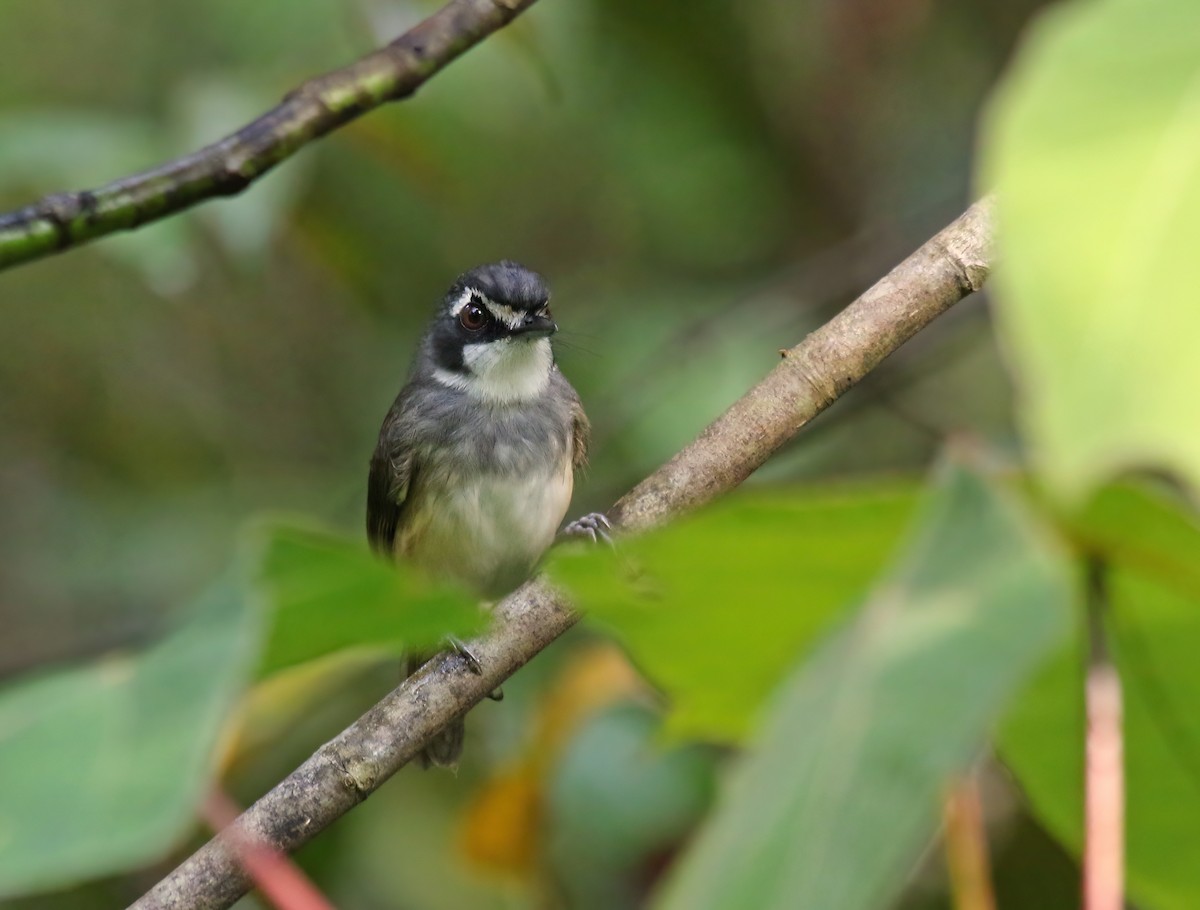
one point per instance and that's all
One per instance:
(581, 435)
(391, 477)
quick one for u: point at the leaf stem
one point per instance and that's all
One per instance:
(1104, 823)
(966, 847)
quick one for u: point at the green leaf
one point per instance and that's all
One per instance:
(835, 804)
(1151, 546)
(1093, 143)
(327, 592)
(709, 607)
(104, 764)
(615, 799)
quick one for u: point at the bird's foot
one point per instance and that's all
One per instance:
(594, 526)
(462, 650)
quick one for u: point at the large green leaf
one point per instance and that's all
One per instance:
(1152, 549)
(716, 608)
(103, 764)
(1093, 143)
(835, 804)
(326, 592)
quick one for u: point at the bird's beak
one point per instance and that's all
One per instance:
(536, 326)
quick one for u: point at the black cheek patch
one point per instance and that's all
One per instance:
(448, 351)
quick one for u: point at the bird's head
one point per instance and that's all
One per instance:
(491, 338)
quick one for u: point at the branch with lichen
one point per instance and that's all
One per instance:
(64, 220)
(811, 376)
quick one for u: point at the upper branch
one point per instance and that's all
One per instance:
(812, 376)
(323, 103)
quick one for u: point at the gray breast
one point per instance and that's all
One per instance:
(491, 486)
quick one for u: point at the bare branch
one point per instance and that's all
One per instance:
(812, 375)
(817, 372)
(64, 220)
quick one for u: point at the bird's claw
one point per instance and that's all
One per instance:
(461, 649)
(594, 526)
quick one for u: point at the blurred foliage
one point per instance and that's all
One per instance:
(621, 806)
(839, 799)
(1096, 203)
(105, 762)
(701, 183)
(284, 702)
(720, 641)
(503, 830)
(1092, 146)
(1151, 548)
(324, 594)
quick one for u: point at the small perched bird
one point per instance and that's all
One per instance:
(476, 459)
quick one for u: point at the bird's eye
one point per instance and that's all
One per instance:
(472, 317)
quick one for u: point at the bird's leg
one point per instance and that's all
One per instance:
(460, 647)
(594, 526)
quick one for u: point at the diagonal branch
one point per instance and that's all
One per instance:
(323, 103)
(344, 771)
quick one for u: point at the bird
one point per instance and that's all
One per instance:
(475, 464)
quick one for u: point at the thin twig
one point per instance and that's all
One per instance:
(347, 769)
(1104, 822)
(966, 847)
(64, 220)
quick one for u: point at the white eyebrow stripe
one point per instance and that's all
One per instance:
(461, 302)
(504, 313)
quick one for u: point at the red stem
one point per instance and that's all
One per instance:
(274, 874)
(1104, 804)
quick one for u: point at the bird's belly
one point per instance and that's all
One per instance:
(487, 531)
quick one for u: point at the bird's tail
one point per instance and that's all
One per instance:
(445, 749)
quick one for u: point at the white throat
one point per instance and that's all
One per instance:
(504, 371)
